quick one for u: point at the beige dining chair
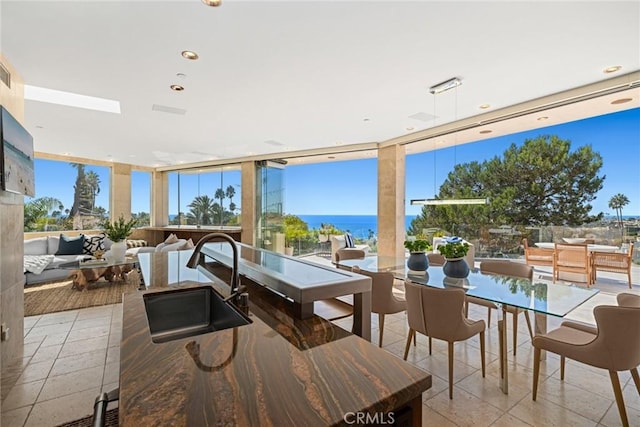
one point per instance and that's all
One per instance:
(504, 268)
(572, 258)
(436, 259)
(342, 255)
(537, 256)
(612, 262)
(614, 345)
(383, 301)
(437, 313)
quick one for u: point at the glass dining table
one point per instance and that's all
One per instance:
(536, 295)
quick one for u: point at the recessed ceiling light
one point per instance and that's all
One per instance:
(213, 3)
(39, 127)
(339, 143)
(621, 101)
(66, 154)
(366, 119)
(484, 106)
(410, 128)
(612, 69)
(542, 118)
(331, 157)
(177, 88)
(486, 131)
(181, 76)
(188, 54)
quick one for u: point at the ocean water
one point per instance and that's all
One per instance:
(358, 225)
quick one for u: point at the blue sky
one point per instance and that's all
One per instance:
(349, 188)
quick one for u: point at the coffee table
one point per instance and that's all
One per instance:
(84, 273)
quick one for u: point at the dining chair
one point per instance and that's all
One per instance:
(612, 262)
(436, 259)
(383, 301)
(572, 258)
(342, 255)
(437, 313)
(537, 256)
(504, 268)
(614, 345)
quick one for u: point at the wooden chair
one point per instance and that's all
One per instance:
(504, 268)
(537, 256)
(382, 299)
(612, 262)
(572, 258)
(437, 313)
(613, 345)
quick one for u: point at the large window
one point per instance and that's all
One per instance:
(205, 196)
(69, 196)
(141, 197)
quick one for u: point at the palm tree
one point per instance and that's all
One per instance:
(617, 202)
(230, 192)
(77, 189)
(92, 181)
(202, 209)
(220, 195)
(37, 210)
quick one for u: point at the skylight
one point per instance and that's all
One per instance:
(35, 93)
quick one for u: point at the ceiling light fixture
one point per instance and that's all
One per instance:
(621, 101)
(445, 86)
(486, 131)
(440, 202)
(189, 54)
(177, 88)
(612, 69)
(484, 106)
(542, 118)
(212, 3)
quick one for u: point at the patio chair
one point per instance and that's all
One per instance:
(572, 258)
(437, 313)
(504, 268)
(612, 262)
(613, 345)
(537, 256)
(383, 301)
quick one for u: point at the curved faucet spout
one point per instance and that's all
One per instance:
(195, 258)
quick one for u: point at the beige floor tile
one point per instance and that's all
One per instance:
(56, 318)
(464, 409)
(62, 409)
(91, 322)
(115, 336)
(15, 417)
(93, 332)
(35, 371)
(55, 339)
(78, 362)
(30, 321)
(579, 400)
(30, 349)
(438, 364)
(84, 346)
(95, 312)
(488, 389)
(34, 339)
(111, 373)
(22, 395)
(46, 353)
(508, 420)
(57, 328)
(432, 418)
(113, 354)
(545, 413)
(72, 382)
(612, 417)
(437, 385)
(631, 395)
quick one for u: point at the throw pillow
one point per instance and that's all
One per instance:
(189, 245)
(171, 239)
(70, 245)
(93, 243)
(348, 238)
(136, 243)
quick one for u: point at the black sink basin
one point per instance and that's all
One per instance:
(183, 313)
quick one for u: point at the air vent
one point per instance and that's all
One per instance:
(5, 76)
(171, 110)
(422, 116)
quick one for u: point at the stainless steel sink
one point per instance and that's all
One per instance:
(183, 313)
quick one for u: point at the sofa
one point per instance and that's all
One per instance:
(340, 242)
(42, 258)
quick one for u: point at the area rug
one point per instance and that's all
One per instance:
(58, 296)
(111, 419)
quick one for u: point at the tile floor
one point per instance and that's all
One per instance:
(71, 356)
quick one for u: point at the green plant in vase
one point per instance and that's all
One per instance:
(417, 245)
(117, 231)
(454, 250)
(417, 259)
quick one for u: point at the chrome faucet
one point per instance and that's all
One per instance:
(195, 258)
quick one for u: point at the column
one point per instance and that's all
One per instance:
(391, 201)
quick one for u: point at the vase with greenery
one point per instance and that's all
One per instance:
(454, 251)
(117, 231)
(418, 260)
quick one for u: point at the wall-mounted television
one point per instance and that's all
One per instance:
(17, 156)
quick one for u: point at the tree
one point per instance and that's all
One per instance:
(617, 202)
(230, 192)
(92, 182)
(541, 182)
(36, 212)
(219, 194)
(294, 228)
(202, 210)
(77, 189)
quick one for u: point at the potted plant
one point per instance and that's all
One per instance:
(417, 258)
(454, 251)
(117, 231)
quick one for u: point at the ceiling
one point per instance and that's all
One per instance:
(276, 78)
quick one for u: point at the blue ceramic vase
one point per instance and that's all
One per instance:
(456, 267)
(418, 261)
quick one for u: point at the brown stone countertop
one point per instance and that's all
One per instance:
(276, 371)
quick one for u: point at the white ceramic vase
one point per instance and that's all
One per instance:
(118, 251)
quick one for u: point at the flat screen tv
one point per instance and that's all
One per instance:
(17, 156)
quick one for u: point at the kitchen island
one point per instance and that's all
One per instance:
(278, 370)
